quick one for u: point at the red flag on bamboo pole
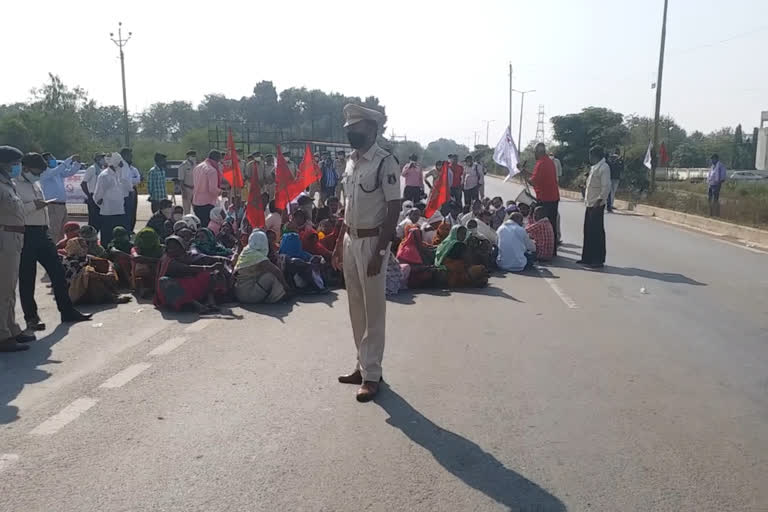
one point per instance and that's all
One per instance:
(254, 212)
(283, 181)
(309, 173)
(663, 156)
(231, 163)
(440, 193)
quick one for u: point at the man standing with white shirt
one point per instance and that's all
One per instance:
(52, 183)
(595, 197)
(110, 195)
(133, 176)
(89, 185)
(187, 181)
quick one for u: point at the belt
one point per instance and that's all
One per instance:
(12, 229)
(363, 233)
(58, 202)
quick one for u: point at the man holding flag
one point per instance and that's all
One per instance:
(372, 209)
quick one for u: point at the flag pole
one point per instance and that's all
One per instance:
(510, 97)
(658, 97)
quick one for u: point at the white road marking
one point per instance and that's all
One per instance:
(169, 346)
(199, 325)
(714, 235)
(67, 415)
(559, 291)
(125, 376)
(7, 460)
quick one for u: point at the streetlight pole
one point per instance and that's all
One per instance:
(120, 43)
(510, 99)
(658, 98)
(488, 128)
(520, 127)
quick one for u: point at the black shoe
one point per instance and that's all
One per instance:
(25, 338)
(596, 265)
(10, 346)
(35, 325)
(580, 262)
(74, 316)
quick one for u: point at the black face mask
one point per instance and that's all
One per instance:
(357, 140)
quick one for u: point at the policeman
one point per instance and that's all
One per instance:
(186, 180)
(372, 188)
(11, 242)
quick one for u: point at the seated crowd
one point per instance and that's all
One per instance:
(186, 266)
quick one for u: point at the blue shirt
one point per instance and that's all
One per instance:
(156, 184)
(52, 180)
(716, 174)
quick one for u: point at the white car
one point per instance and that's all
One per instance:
(746, 176)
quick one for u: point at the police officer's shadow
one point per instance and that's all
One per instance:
(465, 459)
(17, 369)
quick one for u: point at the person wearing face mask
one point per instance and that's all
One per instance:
(156, 182)
(11, 243)
(52, 183)
(413, 175)
(112, 187)
(132, 175)
(89, 185)
(161, 220)
(187, 180)
(372, 209)
(39, 248)
(207, 186)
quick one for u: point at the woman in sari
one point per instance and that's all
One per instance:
(120, 253)
(183, 282)
(226, 236)
(418, 257)
(441, 233)
(145, 256)
(91, 236)
(302, 269)
(217, 218)
(91, 280)
(205, 243)
(71, 230)
(258, 280)
(454, 256)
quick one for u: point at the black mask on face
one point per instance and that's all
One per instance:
(357, 140)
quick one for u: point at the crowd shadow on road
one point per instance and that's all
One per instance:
(21, 368)
(408, 297)
(466, 460)
(282, 309)
(667, 277)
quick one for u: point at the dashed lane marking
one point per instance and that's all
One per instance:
(67, 415)
(567, 300)
(7, 460)
(169, 346)
(122, 378)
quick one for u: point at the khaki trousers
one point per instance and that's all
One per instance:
(367, 304)
(57, 217)
(10, 255)
(186, 199)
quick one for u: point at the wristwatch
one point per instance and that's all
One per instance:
(383, 252)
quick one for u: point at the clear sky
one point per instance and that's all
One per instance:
(440, 67)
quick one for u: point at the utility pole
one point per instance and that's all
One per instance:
(120, 42)
(520, 127)
(658, 98)
(510, 99)
(487, 128)
(475, 138)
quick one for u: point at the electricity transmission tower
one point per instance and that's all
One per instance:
(540, 125)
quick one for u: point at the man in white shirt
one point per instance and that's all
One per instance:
(39, 248)
(110, 194)
(595, 197)
(471, 179)
(133, 176)
(89, 185)
(517, 251)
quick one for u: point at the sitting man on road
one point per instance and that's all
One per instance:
(517, 251)
(161, 220)
(542, 234)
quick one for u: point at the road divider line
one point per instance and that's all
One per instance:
(122, 378)
(67, 415)
(169, 346)
(567, 300)
(7, 460)
(199, 325)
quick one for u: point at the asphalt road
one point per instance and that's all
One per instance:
(563, 390)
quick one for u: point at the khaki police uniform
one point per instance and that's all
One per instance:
(371, 180)
(11, 243)
(187, 182)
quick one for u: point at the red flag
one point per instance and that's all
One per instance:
(663, 156)
(231, 163)
(309, 172)
(254, 211)
(283, 181)
(440, 193)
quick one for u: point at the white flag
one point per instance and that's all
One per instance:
(506, 153)
(647, 162)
